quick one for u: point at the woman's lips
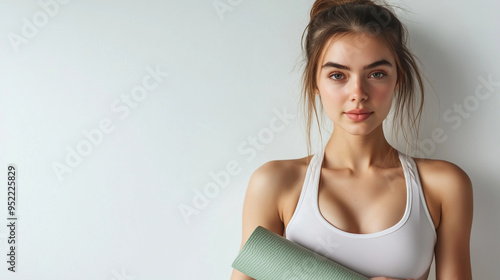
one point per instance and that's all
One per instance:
(358, 115)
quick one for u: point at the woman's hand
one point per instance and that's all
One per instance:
(386, 278)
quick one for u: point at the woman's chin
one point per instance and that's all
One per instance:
(360, 129)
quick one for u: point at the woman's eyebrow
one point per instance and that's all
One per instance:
(378, 63)
(372, 65)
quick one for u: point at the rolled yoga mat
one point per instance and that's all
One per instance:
(269, 256)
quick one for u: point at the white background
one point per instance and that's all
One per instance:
(116, 214)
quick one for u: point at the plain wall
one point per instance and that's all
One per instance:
(120, 165)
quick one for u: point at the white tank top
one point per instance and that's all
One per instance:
(402, 251)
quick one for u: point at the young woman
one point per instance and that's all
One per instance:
(359, 201)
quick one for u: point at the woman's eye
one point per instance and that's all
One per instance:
(336, 76)
(378, 75)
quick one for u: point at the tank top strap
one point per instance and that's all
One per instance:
(419, 201)
(311, 180)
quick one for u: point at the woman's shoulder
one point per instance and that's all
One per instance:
(447, 188)
(441, 172)
(269, 194)
(279, 175)
(444, 180)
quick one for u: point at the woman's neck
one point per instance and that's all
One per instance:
(358, 152)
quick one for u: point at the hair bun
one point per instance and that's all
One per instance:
(321, 6)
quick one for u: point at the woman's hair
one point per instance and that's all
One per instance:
(335, 18)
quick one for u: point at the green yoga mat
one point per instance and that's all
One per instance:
(269, 256)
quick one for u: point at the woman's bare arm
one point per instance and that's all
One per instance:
(261, 206)
(453, 188)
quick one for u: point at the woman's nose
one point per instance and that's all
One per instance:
(357, 91)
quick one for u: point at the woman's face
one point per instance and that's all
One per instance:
(356, 81)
